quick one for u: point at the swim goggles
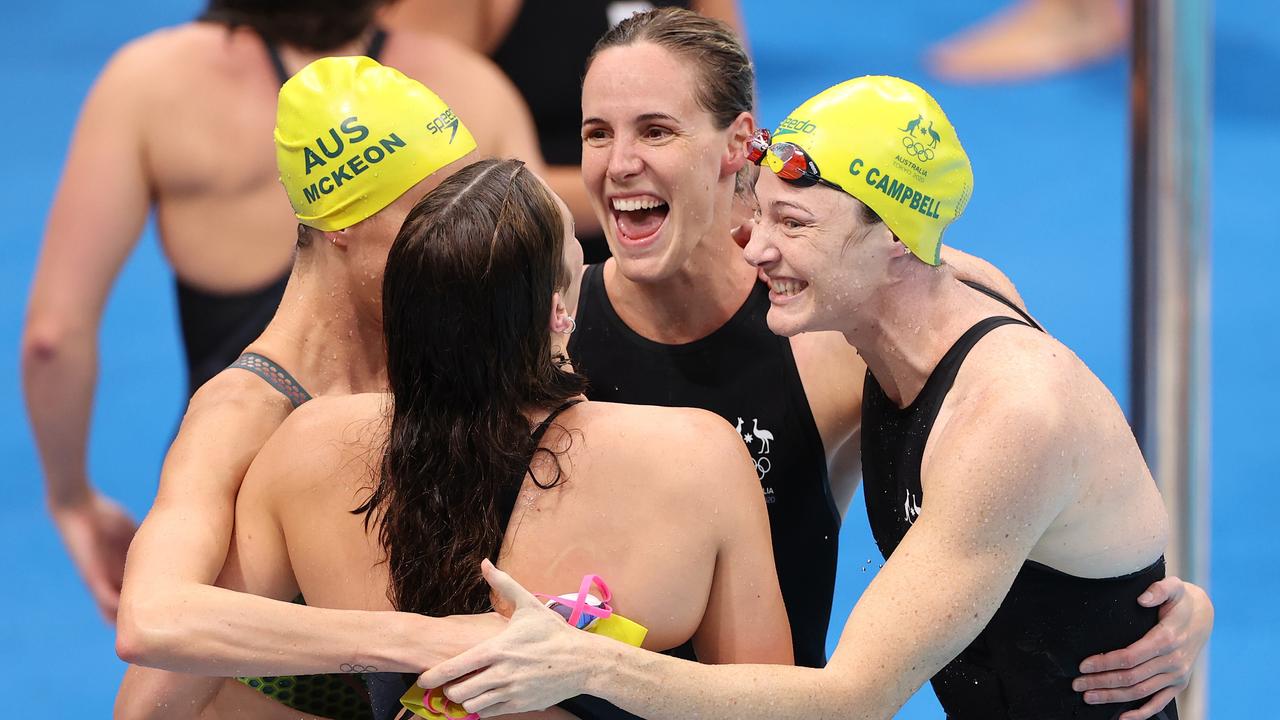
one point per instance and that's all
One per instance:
(787, 160)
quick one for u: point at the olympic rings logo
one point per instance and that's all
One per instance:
(917, 150)
(763, 466)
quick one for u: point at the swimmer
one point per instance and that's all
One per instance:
(676, 317)
(155, 135)
(326, 339)
(486, 449)
(515, 34)
(656, 321)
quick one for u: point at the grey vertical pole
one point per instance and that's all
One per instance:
(1169, 368)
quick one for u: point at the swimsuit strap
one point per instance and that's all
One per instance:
(511, 492)
(276, 376)
(376, 43)
(273, 53)
(541, 430)
(1003, 301)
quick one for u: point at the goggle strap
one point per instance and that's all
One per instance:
(579, 605)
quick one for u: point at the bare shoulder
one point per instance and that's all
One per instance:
(151, 70)
(678, 448)
(234, 409)
(339, 420)
(1026, 382)
(160, 52)
(443, 64)
(975, 269)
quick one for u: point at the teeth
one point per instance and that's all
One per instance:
(636, 203)
(787, 287)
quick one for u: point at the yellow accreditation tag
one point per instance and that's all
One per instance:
(433, 705)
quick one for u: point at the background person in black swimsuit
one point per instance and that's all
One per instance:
(179, 123)
(543, 46)
(1017, 516)
(325, 339)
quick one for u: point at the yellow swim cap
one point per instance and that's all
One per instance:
(353, 135)
(887, 143)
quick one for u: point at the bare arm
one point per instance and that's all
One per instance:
(174, 618)
(833, 374)
(97, 214)
(903, 630)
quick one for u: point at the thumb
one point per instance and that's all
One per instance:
(1160, 592)
(507, 588)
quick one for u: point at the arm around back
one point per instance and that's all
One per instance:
(903, 630)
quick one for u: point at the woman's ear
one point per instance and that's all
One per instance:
(337, 238)
(740, 131)
(561, 321)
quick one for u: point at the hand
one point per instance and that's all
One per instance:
(97, 533)
(534, 664)
(467, 631)
(1159, 665)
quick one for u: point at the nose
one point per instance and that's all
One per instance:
(756, 245)
(624, 162)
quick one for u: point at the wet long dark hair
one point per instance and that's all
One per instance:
(308, 24)
(466, 305)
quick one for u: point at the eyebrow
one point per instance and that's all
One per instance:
(640, 118)
(788, 203)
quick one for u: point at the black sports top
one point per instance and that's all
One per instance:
(551, 81)
(217, 326)
(747, 375)
(1022, 663)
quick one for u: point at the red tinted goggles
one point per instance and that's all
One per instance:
(787, 160)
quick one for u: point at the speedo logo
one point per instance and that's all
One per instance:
(795, 125)
(443, 121)
(344, 139)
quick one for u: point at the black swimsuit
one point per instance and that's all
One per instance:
(1022, 663)
(747, 375)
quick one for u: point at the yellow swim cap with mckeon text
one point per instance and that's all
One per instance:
(353, 135)
(887, 143)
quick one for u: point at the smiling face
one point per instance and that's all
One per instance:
(822, 262)
(659, 173)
